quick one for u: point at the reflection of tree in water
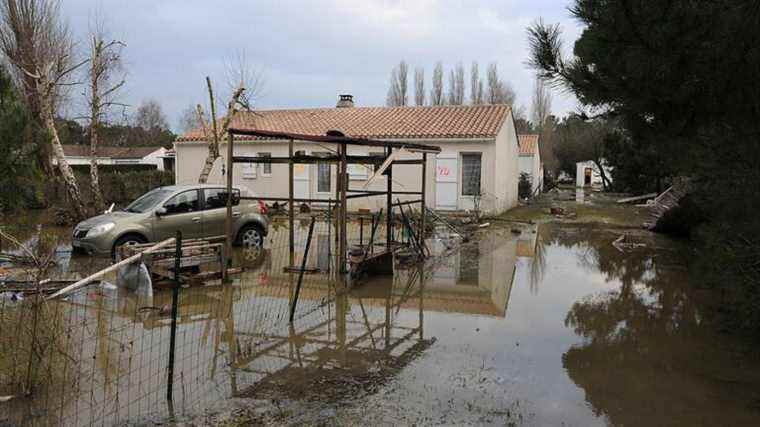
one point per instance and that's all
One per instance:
(538, 264)
(646, 357)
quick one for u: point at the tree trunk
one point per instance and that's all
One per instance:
(213, 141)
(97, 195)
(67, 174)
(605, 181)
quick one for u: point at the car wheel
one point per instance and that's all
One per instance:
(129, 239)
(250, 236)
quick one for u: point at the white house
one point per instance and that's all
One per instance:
(79, 155)
(476, 168)
(530, 161)
(587, 174)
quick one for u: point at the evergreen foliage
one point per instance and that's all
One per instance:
(680, 79)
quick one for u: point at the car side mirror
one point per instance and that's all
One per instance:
(161, 211)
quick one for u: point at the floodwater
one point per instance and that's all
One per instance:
(549, 326)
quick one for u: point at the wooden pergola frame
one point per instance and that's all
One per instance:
(342, 160)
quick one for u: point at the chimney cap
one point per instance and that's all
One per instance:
(345, 100)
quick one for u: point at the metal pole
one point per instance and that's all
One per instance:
(291, 208)
(175, 303)
(303, 268)
(228, 219)
(361, 231)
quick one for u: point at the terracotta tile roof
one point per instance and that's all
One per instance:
(478, 121)
(528, 144)
(73, 150)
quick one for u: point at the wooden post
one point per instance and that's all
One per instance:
(389, 202)
(175, 303)
(291, 208)
(294, 302)
(342, 176)
(423, 208)
(228, 219)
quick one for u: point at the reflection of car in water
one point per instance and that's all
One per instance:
(195, 210)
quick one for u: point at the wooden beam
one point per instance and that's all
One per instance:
(291, 208)
(334, 139)
(423, 208)
(389, 201)
(228, 219)
(354, 160)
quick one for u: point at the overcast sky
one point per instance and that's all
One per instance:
(310, 51)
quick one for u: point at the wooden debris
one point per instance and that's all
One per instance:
(112, 268)
(666, 201)
(637, 198)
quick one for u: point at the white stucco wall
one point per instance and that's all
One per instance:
(531, 164)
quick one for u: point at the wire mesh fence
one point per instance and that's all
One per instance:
(100, 356)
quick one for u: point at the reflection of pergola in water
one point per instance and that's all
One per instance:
(350, 337)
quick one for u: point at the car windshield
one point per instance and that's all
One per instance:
(148, 200)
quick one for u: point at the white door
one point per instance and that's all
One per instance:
(446, 172)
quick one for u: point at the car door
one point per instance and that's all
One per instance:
(183, 213)
(215, 210)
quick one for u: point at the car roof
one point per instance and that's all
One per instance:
(179, 187)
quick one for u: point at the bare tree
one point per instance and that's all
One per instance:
(476, 85)
(105, 81)
(419, 86)
(451, 95)
(459, 85)
(541, 105)
(436, 92)
(498, 92)
(150, 116)
(397, 92)
(214, 133)
(38, 45)
(241, 75)
(188, 120)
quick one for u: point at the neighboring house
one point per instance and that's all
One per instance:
(530, 161)
(79, 155)
(587, 174)
(477, 165)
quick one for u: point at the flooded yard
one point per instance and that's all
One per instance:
(547, 324)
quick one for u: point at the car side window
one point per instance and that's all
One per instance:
(183, 203)
(217, 197)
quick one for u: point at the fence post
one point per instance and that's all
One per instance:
(303, 268)
(175, 303)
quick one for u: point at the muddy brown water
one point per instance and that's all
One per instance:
(551, 326)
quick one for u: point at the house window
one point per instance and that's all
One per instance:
(323, 177)
(471, 174)
(266, 168)
(249, 170)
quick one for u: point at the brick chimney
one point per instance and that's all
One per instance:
(345, 101)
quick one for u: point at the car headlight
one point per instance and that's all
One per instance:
(100, 229)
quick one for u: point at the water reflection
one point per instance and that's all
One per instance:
(551, 325)
(646, 355)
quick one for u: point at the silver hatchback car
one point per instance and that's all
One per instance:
(195, 210)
